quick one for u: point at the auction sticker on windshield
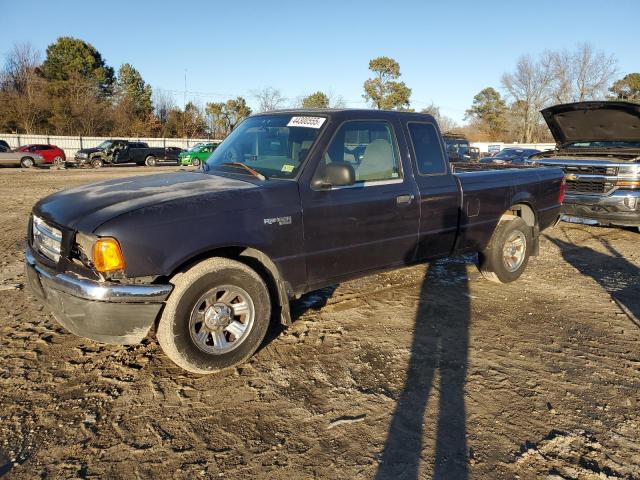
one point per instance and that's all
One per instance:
(309, 122)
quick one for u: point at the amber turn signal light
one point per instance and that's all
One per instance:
(107, 255)
(628, 183)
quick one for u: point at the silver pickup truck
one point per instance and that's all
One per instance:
(598, 147)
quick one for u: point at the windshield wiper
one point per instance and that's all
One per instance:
(252, 171)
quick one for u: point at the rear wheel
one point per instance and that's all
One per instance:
(26, 162)
(97, 163)
(195, 162)
(150, 161)
(507, 254)
(216, 316)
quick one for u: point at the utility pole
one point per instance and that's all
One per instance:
(184, 105)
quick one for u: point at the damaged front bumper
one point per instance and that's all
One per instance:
(621, 208)
(102, 311)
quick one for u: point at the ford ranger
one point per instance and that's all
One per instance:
(598, 147)
(290, 202)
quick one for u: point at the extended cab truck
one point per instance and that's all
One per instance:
(123, 151)
(285, 205)
(598, 147)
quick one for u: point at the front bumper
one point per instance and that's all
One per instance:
(102, 311)
(622, 208)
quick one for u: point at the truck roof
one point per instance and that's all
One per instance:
(366, 112)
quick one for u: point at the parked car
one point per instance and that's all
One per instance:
(197, 154)
(458, 147)
(598, 147)
(124, 151)
(4, 146)
(282, 207)
(20, 159)
(511, 155)
(52, 154)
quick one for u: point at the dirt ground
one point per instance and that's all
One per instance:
(424, 372)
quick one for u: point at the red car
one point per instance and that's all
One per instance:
(51, 153)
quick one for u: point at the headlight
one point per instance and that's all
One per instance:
(82, 155)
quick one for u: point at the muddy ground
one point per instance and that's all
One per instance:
(426, 371)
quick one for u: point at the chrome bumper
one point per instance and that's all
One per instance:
(102, 311)
(622, 207)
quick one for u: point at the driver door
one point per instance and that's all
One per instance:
(370, 225)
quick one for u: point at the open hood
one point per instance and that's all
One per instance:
(594, 122)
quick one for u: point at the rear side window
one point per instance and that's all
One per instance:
(426, 146)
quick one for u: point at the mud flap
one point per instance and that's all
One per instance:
(535, 235)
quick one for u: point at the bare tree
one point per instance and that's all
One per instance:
(163, 103)
(269, 98)
(530, 88)
(79, 109)
(582, 74)
(446, 124)
(23, 91)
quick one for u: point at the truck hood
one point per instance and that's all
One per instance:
(593, 121)
(87, 207)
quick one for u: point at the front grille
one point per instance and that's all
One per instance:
(46, 239)
(591, 170)
(582, 186)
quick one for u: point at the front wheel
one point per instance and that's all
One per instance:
(195, 162)
(216, 316)
(97, 163)
(507, 254)
(58, 162)
(150, 161)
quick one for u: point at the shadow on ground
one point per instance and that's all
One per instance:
(439, 347)
(617, 275)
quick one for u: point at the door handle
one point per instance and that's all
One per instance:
(404, 199)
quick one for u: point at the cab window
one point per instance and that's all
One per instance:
(369, 147)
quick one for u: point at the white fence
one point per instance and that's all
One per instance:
(72, 144)
(484, 146)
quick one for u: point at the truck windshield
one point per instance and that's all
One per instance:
(273, 145)
(104, 145)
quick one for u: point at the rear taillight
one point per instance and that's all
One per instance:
(563, 188)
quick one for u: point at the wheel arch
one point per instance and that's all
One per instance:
(526, 211)
(279, 290)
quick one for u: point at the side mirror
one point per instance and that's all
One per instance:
(335, 174)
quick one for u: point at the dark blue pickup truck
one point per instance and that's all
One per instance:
(290, 202)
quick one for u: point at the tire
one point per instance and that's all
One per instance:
(499, 265)
(27, 162)
(58, 162)
(150, 161)
(195, 162)
(183, 333)
(97, 163)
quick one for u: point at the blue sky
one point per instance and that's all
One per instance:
(448, 51)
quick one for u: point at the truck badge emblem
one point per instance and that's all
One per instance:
(278, 220)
